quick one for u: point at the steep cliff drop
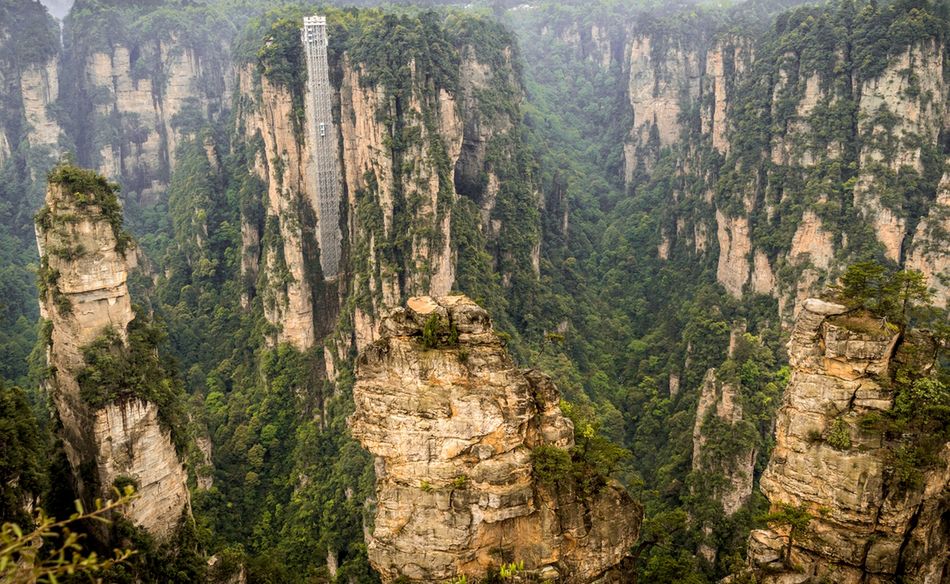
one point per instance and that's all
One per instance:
(455, 428)
(844, 512)
(113, 434)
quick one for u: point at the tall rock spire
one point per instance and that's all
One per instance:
(112, 429)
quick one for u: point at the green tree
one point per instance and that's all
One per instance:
(791, 518)
(21, 455)
(889, 294)
(52, 550)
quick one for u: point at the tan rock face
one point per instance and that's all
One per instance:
(735, 246)
(453, 427)
(919, 121)
(39, 87)
(930, 253)
(133, 444)
(367, 158)
(656, 87)
(730, 50)
(721, 399)
(812, 243)
(283, 166)
(763, 279)
(87, 297)
(860, 532)
(145, 156)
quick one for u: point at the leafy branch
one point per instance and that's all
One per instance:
(24, 561)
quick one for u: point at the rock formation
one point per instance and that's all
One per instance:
(403, 205)
(663, 74)
(878, 128)
(29, 87)
(727, 480)
(149, 94)
(84, 271)
(862, 528)
(453, 423)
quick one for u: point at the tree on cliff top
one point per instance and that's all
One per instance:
(890, 294)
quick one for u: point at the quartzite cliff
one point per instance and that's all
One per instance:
(863, 527)
(453, 424)
(85, 265)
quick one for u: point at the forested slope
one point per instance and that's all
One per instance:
(641, 195)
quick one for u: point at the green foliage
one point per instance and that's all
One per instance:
(24, 449)
(63, 551)
(918, 426)
(437, 334)
(552, 465)
(839, 434)
(887, 293)
(28, 35)
(115, 371)
(793, 519)
(89, 191)
(594, 457)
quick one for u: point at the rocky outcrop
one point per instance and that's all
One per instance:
(907, 106)
(39, 88)
(410, 156)
(133, 444)
(84, 271)
(728, 57)
(734, 249)
(835, 163)
(721, 399)
(282, 162)
(426, 194)
(829, 465)
(724, 479)
(453, 425)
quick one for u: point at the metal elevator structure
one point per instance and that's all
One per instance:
(324, 146)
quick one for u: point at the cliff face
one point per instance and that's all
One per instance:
(721, 399)
(84, 272)
(663, 75)
(373, 177)
(142, 154)
(841, 156)
(421, 159)
(829, 462)
(29, 85)
(136, 86)
(282, 162)
(454, 426)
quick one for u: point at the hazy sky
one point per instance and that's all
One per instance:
(58, 8)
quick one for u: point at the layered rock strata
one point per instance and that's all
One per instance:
(84, 274)
(861, 529)
(453, 424)
(149, 103)
(775, 234)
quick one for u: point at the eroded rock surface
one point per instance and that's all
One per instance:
(862, 529)
(85, 296)
(452, 422)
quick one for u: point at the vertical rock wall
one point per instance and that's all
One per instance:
(453, 425)
(408, 156)
(145, 97)
(784, 229)
(85, 269)
(861, 529)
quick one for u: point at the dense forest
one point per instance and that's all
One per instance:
(640, 193)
